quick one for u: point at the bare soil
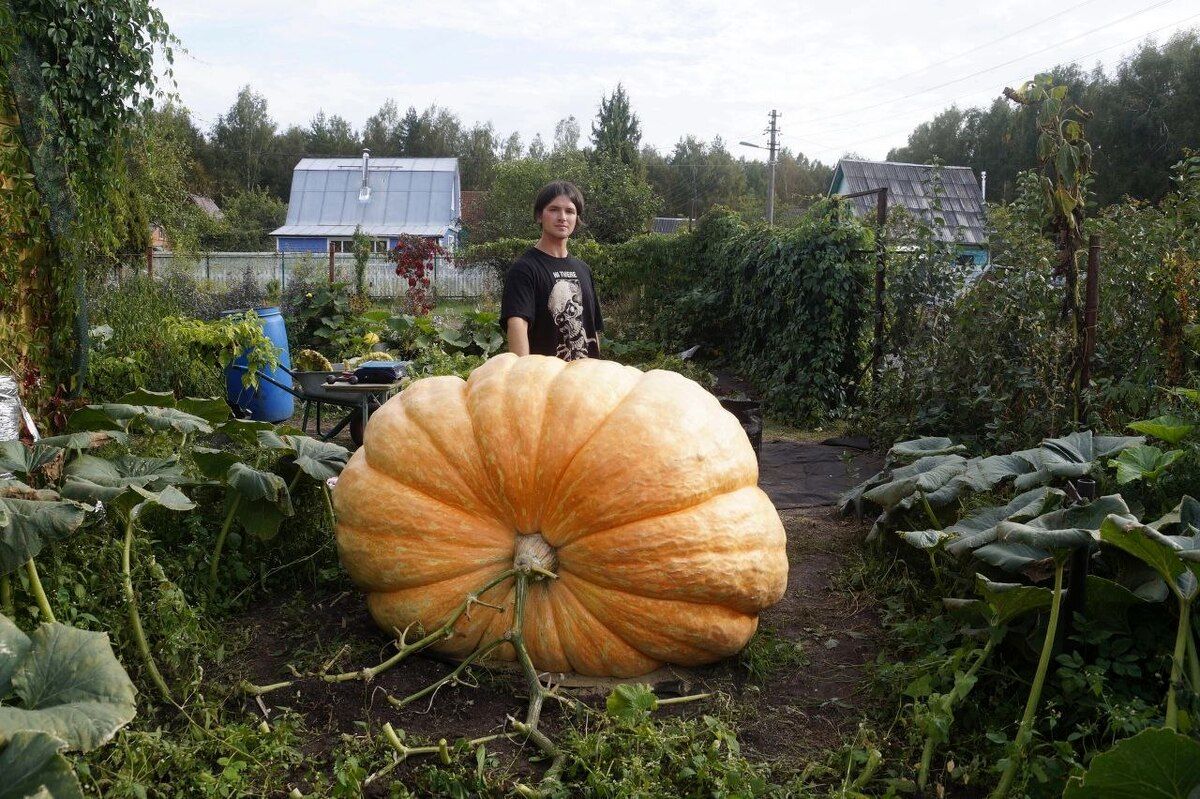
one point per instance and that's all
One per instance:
(795, 714)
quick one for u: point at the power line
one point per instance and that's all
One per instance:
(993, 68)
(946, 104)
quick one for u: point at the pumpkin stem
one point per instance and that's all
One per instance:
(533, 553)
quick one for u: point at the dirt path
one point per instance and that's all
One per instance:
(797, 709)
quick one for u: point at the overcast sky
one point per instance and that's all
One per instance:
(845, 76)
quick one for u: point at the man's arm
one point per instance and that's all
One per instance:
(518, 335)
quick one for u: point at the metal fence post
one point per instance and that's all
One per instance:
(282, 273)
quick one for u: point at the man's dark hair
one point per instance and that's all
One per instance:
(559, 188)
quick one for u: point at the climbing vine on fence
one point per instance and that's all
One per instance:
(789, 305)
(74, 79)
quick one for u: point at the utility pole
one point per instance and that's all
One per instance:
(772, 150)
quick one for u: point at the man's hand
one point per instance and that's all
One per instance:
(518, 335)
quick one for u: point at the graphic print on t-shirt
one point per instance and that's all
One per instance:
(566, 309)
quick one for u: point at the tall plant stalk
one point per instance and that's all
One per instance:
(39, 595)
(6, 596)
(1182, 634)
(135, 620)
(216, 556)
(1025, 730)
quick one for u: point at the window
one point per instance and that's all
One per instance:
(347, 245)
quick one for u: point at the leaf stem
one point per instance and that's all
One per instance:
(329, 505)
(1025, 730)
(955, 696)
(937, 525)
(1193, 661)
(1181, 634)
(368, 674)
(35, 586)
(7, 606)
(216, 557)
(135, 620)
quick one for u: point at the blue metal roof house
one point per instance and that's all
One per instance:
(387, 196)
(911, 186)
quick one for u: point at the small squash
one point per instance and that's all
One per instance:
(637, 489)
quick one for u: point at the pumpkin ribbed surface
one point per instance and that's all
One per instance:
(636, 488)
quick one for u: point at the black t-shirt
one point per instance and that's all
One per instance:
(556, 297)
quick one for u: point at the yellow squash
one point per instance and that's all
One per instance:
(637, 489)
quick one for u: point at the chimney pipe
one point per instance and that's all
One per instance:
(364, 191)
(983, 185)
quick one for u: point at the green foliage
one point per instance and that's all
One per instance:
(788, 306)
(139, 351)
(616, 133)
(618, 201)
(1151, 763)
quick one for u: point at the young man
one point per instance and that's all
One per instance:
(549, 305)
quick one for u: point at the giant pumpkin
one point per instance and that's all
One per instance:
(637, 489)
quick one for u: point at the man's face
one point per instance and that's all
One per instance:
(559, 217)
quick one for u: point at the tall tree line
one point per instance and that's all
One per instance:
(1144, 115)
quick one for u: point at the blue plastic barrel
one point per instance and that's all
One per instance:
(267, 403)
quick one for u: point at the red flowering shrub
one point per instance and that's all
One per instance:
(414, 256)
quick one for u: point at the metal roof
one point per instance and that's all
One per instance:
(668, 224)
(910, 186)
(421, 196)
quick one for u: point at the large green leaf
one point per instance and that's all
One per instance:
(1069, 457)
(1183, 519)
(1170, 429)
(265, 501)
(70, 685)
(213, 463)
(1143, 462)
(907, 451)
(320, 460)
(164, 419)
(851, 501)
(979, 529)
(14, 646)
(984, 474)
(91, 479)
(1155, 763)
(95, 418)
(19, 459)
(1163, 553)
(147, 398)
(33, 768)
(926, 475)
(1020, 547)
(87, 439)
(215, 411)
(244, 431)
(27, 525)
(630, 702)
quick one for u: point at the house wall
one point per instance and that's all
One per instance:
(978, 254)
(302, 244)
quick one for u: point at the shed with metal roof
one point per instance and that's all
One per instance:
(386, 197)
(913, 187)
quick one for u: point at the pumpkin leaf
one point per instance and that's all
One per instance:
(1170, 429)
(27, 525)
(212, 410)
(149, 399)
(244, 431)
(852, 499)
(1163, 553)
(86, 439)
(34, 768)
(70, 685)
(908, 451)
(213, 463)
(14, 646)
(1143, 462)
(94, 418)
(92, 479)
(631, 703)
(19, 459)
(1020, 546)
(1155, 762)
(320, 460)
(173, 419)
(926, 475)
(1184, 519)
(972, 532)
(265, 501)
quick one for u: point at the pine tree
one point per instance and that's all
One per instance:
(616, 132)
